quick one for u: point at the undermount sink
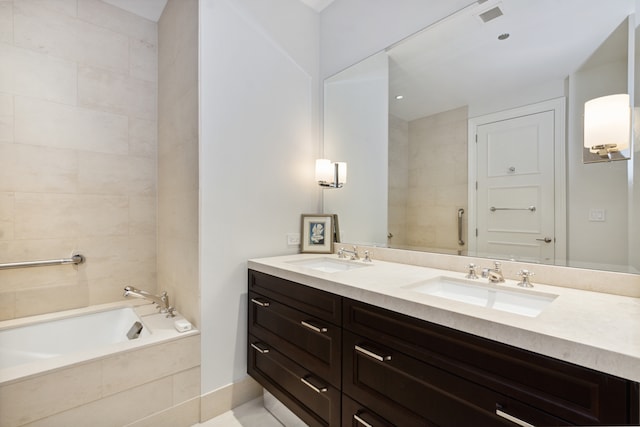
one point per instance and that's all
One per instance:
(327, 265)
(522, 302)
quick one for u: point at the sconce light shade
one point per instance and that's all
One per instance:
(607, 124)
(330, 174)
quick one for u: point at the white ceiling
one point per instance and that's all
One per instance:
(152, 9)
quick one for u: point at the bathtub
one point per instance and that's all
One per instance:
(42, 352)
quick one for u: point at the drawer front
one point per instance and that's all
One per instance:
(391, 382)
(579, 395)
(357, 415)
(312, 399)
(317, 303)
(313, 343)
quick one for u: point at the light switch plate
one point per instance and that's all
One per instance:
(597, 215)
(293, 239)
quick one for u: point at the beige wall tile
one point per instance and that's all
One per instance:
(116, 93)
(7, 305)
(72, 127)
(65, 296)
(118, 20)
(130, 369)
(6, 216)
(34, 74)
(41, 396)
(42, 216)
(142, 216)
(6, 118)
(186, 385)
(39, 28)
(67, 7)
(183, 415)
(103, 173)
(143, 62)
(6, 22)
(142, 137)
(227, 398)
(102, 215)
(26, 168)
(116, 410)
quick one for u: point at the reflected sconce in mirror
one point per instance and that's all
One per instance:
(607, 128)
(331, 174)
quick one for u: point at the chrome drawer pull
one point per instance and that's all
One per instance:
(361, 421)
(372, 354)
(261, 303)
(513, 419)
(320, 389)
(260, 350)
(314, 328)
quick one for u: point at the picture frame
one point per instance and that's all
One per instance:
(317, 233)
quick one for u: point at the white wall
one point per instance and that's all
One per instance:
(352, 30)
(258, 142)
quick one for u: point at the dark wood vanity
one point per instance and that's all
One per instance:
(334, 361)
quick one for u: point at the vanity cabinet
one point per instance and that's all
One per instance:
(335, 361)
(395, 363)
(295, 346)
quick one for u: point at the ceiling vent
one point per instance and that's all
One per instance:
(490, 14)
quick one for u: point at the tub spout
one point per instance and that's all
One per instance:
(162, 300)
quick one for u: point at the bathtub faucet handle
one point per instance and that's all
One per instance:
(162, 301)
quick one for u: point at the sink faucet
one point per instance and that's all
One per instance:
(494, 274)
(162, 301)
(354, 253)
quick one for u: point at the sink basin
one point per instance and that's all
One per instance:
(327, 265)
(522, 302)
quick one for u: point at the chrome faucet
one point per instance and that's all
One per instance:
(354, 253)
(494, 274)
(162, 301)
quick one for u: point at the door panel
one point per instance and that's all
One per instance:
(515, 191)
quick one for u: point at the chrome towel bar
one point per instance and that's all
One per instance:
(460, 213)
(75, 259)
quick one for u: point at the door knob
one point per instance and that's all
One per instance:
(546, 240)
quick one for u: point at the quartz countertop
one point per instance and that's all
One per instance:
(591, 329)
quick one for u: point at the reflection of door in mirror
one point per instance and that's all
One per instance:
(515, 188)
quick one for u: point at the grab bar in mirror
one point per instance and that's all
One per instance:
(460, 241)
(75, 259)
(530, 208)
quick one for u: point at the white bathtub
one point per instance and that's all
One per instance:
(33, 345)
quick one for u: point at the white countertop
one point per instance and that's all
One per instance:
(596, 330)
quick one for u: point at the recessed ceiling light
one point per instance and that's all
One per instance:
(399, 97)
(503, 36)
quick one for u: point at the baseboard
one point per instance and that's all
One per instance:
(228, 397)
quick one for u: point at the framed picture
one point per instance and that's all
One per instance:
(317, 234)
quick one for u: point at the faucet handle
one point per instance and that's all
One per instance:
(526, 276)
(367, 257)
(472, 271)
(497, 265)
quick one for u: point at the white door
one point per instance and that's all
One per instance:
(515, 188)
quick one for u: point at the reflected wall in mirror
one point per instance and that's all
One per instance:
(513, 75)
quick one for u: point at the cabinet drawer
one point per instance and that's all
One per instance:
(312, 399)
(578, 395)
(317, 303)
(314, 343)
(356, 415)
(391, 382)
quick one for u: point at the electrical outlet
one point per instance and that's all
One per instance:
(597, 215)
(293, 239)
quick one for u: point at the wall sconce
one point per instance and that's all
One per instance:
(330, 174)
(607, 127)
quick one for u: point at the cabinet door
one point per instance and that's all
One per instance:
(579, 395)
(313, 343)
(317, 303)
(391, 382)
(356, 415)
(312, 399)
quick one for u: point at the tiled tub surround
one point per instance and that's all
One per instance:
(78, 96)
(591, 329)
(151, 380)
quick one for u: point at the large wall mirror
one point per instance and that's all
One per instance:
(467, 138)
